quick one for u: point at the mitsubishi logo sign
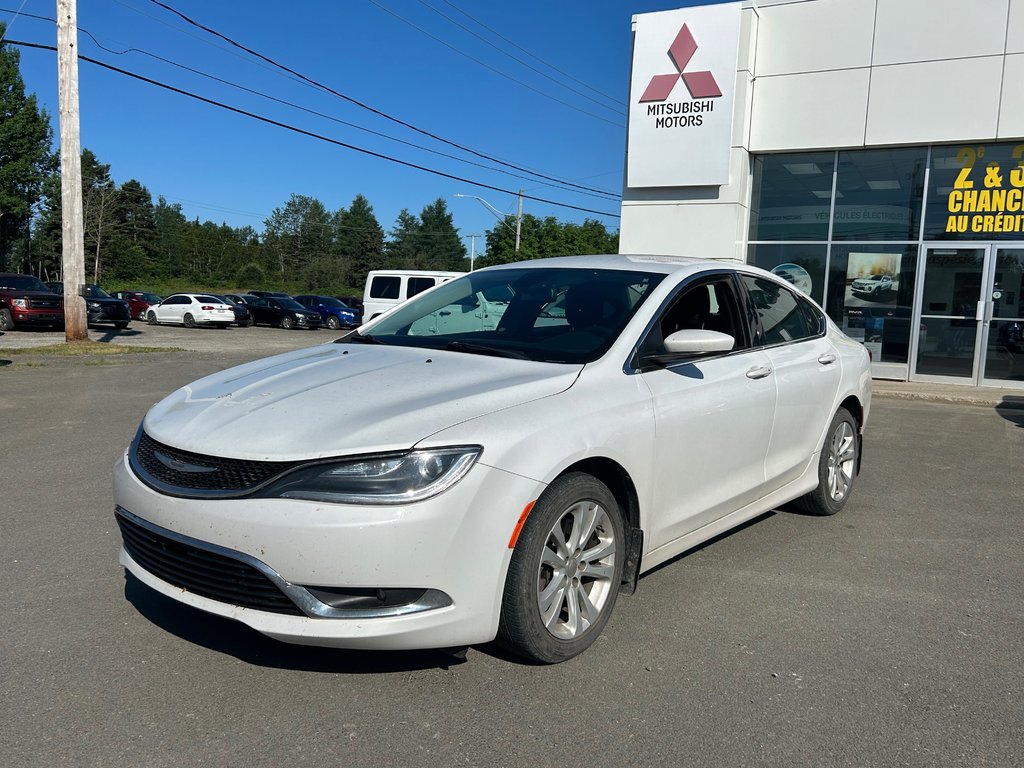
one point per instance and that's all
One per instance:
(701, 85)
(681, 133)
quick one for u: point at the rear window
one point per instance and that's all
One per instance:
(419, 285)
(385, 287)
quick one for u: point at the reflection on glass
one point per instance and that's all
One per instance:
(791, 196)
(946, 347)
(879, 194)
(1004, 356)
(800, 264)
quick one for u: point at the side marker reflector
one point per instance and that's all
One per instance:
(519, 526)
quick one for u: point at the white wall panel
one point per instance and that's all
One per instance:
(810, 37)
(926, 30)
(940, 101)
(706, 230)
(1011, 113)
(1015, 31)
(824, 109)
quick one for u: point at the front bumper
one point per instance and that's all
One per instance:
(36, 317)
(455, 545)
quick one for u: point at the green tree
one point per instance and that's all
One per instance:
(359, 239)
(541, 238)
(403, 247)
(98, 191)
(440, 243)
(25, 156)
(297, 234)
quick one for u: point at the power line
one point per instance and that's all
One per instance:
(496, 33)
(497, 71)
(617, 108)
(367, 107)
(311, 134)
(17, 13)
(559, 185)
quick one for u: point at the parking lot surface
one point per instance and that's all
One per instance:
(888, 635)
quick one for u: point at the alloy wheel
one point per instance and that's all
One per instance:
(842, 456)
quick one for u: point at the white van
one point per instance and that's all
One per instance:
(387, 288)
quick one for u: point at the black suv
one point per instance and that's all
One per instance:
(101, 306)
(283, 312)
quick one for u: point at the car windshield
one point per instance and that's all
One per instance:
(152, 298)
(95, 292)
(288, 304)
(560, 315)
(327, 301)
(23, 283)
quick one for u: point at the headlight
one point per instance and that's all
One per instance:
(23, 303)
(94, 304)
(395, 479)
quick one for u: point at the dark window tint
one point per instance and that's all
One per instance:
(710, 306)
(419, 285)
(779, 311)
(879, 194)
(800, 264)
(385, 287)
(791, 196)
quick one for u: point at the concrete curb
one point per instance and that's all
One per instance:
(986, 398)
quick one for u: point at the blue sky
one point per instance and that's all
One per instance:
(426, 70)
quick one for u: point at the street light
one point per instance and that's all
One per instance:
(501, 216)
(472, 249)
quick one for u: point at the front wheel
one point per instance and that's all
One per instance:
(151, 317)
(190, 322)
(837, 468)
(333, 323)
(565, 572)
(287, 323)
(6, 321)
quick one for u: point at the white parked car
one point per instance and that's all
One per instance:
(190, 310)
(403, 489)
(875, 285)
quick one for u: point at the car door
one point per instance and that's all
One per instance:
(259, 310)
(807, 372)
(713, 414)
(170, 309)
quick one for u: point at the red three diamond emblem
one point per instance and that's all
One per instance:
(701, 85)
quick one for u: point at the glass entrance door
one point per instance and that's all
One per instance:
(971, 316)
(1003, 344)
(949, 305)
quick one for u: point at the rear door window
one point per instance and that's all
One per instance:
(385, 287)
(419, 285)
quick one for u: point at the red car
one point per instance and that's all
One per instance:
(25, 300)
(138, 301)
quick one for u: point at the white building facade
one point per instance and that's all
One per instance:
(870, 151)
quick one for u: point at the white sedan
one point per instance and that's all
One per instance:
(190, 310)
(404, 488)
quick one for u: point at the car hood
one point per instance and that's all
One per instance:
(338, 399)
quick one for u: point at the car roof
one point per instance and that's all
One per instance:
(633, 262)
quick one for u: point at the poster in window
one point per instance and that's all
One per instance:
(872, 279)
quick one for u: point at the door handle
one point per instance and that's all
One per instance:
(443, 313)
(826, 359)
(759, 372)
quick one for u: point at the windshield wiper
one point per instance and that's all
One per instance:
(479, 349)
(357, 338)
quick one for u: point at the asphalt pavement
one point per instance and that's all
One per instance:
(888, 635)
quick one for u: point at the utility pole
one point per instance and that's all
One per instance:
(75, 328)
(519, 219)
(472, 249)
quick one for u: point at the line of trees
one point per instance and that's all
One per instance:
(132, 241)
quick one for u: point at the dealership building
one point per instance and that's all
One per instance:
(869, 151)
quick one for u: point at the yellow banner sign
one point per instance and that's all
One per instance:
(995, 203)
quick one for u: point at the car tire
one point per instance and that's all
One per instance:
(287, 323)
(120, 326)
(333, 323)
(6, 321)
(561, 571)
(151, 317)
(837, 468)
(189, 321)
(250, 322)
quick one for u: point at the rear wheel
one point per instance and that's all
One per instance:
(6, 321)
(287, 323)
(190, 322)
(565, 571)
(837, 468)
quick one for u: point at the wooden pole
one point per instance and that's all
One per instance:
(75, 325)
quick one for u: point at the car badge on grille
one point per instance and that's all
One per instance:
(181, 466)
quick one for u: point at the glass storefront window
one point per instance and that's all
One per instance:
(879, 194)
(976, 192)
(791, 196)
(870, 296)
(802, 264)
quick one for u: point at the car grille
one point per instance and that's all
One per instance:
(54, 303)
(184, 471)
(203, 572)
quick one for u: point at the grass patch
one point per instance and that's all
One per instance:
(82, 348)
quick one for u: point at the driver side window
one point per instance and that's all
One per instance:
(709, 305)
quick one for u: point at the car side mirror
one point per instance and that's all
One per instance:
(686, 344)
